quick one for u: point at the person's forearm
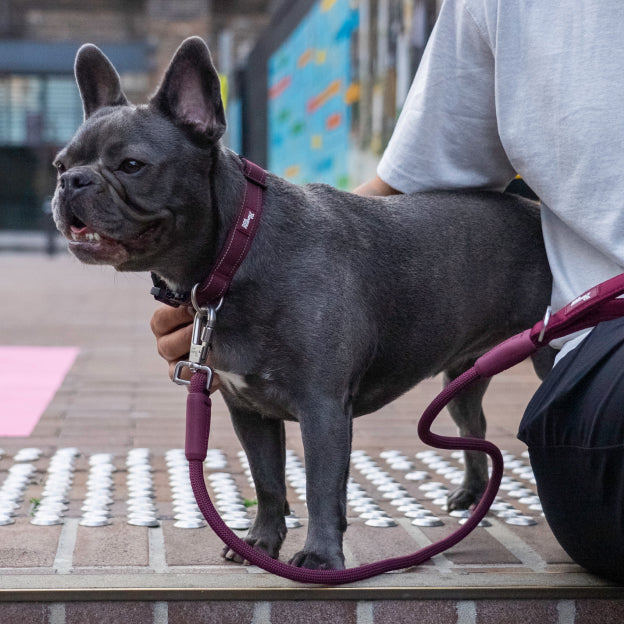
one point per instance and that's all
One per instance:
(375, 188)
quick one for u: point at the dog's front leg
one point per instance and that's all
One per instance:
(263, 440)
(326, 435)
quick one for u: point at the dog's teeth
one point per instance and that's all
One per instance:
(74, 236)
(96, 237)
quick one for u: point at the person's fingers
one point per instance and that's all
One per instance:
(175, 345)
(166, 319)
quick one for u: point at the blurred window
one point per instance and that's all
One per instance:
(38, 110)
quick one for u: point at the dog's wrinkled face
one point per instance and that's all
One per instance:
(128, 175)
(109, 200)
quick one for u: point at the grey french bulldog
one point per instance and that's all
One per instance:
(343, 303)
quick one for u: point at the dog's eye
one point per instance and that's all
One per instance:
(130, 165)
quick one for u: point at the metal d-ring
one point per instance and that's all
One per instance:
(201, 309)
(545, 325)
(194, 368)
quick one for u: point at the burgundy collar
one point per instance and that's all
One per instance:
(233, 252)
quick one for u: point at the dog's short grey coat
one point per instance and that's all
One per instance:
(343, 303)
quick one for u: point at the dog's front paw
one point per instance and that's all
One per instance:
(463, 498)
(269, 542)
(230, 555)
(314, 561)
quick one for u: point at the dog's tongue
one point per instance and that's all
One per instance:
(80, 230)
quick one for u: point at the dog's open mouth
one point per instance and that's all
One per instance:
(92, 247)
(81, 233)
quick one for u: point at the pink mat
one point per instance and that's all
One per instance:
(29, 378)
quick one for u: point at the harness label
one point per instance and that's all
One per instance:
(247, 220)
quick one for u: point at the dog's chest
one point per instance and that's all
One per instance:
(232, 382)
(254, 393)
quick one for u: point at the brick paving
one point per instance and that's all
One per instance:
(117, 397)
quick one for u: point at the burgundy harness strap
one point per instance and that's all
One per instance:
(239, 238)
(596, 305)
(232, 253)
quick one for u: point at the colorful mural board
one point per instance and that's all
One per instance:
(310, 96)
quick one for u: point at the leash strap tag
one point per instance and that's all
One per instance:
(597, 304)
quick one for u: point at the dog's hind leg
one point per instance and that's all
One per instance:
(467, 412)
(543, 361)
(326, 432)
(264, 442)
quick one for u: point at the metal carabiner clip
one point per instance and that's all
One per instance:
(203, 326)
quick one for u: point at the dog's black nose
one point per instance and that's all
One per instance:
(74, 180)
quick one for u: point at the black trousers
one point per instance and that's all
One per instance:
(574, 428)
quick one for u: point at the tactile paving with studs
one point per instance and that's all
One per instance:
(380, 490)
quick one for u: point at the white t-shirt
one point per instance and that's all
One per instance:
(528, 87)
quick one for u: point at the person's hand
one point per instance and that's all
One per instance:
(173, 328)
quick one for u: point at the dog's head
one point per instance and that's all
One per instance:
(133, 179)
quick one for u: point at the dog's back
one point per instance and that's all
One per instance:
(475, 274)
(410, 285)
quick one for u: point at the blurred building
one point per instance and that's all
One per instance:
(312, 87)
(39, 104)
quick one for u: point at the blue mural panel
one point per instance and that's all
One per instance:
(310, 78)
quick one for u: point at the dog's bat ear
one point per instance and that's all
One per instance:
(190, 93)
(97, 80)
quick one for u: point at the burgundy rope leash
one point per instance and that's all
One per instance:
(596, 305)
(197, 431)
